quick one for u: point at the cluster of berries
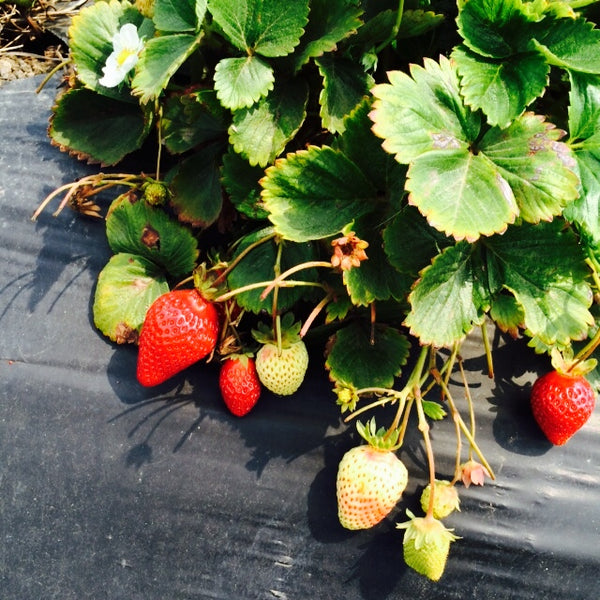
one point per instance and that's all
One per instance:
(182, 327)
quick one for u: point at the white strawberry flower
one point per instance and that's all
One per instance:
(127, 46)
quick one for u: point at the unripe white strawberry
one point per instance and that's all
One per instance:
(445, 499)
(282, 360)
(282, 371)
(370, 482)
(426, 545)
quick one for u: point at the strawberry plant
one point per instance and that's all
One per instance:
(379, 179)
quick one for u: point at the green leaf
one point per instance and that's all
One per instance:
(260, 133)
(543, 266)
(538, 168)
(433, 410)
(411, 243)
(354, 360)
(192, 119)
(360, 145)
(571, 44)
(417, 22)
(508, 314)
(97, 128)
(196, 186)
(135, 227)
(375, 279)
(460, 193)
(345, 84)
(126, 288)
(159, 61)
(259, 266)
(585, 211)
(266, 27)
(240, 82)
(423, 112)
(584, 105)
(330, 22)
(179, 15)
(501, 88)
(315, 193)
(497, 28)
(241, 181)
(448, 300)
(91, 42)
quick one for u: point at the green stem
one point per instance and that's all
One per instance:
(395, 29)
(594, 266)
(586, 351)
(488, 350)
(404, 424)
(51, 74)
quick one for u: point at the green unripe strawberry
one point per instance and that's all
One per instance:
(445, 499)
(155, 193)
(426, 545)
(282, 371)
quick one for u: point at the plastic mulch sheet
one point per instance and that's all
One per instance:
(111, 491)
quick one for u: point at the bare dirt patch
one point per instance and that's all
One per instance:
(33, 38)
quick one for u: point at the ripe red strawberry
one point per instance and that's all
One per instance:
(370, 482)
(180, 328)
(561, 404)
(239, 384)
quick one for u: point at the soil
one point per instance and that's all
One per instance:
(33, 40)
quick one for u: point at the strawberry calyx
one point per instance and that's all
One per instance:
(289, 332)
(380, 439)
(426, 544)
(204, 282)
(241, 356)
(565, 363)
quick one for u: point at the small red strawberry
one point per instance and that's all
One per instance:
(181, 327)
(239, 384)
(370, 480)
(561, 404)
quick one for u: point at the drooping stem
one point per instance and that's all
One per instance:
(314, 313)
(100, 180)
(51, 74)
(468, 396)
(307, 265)
(424, 429)
(465, 430)
(262, 284)
(274, 311)
(158, 110)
